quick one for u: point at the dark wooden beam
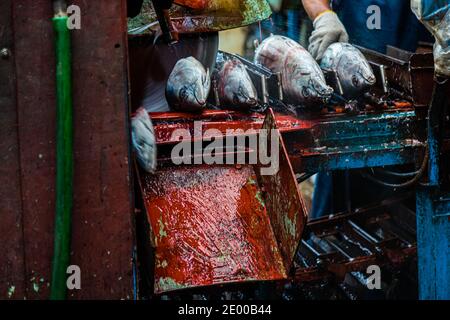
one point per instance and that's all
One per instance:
(12, 267)
(103, 235)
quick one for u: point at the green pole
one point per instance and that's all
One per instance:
(64, 157)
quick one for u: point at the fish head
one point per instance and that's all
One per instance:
(193, 95)
(316, 91)
(367, 75)
(306, 82)
(143, 140)
(245, 95)
(236, 87)
(353, 70)
(362, 76)
(189, 88)
(356, 75)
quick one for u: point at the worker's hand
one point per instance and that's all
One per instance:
(328, 29)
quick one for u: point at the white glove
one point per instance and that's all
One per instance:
(328, 29)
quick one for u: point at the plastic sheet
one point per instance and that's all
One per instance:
(435, 15)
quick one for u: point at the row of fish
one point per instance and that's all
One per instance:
(234, 85)
(303, 80)
(189, 84)
(303, 83)
(143, 140)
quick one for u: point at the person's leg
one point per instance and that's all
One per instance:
(293, 24)
(279, 23)
(322, 197)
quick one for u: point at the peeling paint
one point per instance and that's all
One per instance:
(11, 291)
(290, 226)
(216, 227)
(168, 284)
(251, 181)
(162, 232)
(260, 199)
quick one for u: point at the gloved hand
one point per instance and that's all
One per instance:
(328, 29)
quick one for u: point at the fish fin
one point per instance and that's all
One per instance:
(207, 73)
(207, 80)
(256, 43)
(158, 34)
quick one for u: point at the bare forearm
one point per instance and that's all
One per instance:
(315, 7)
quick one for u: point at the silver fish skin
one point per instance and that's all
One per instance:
(303, 80)
(235, 87)
(143, 140)
(353, 70)
(188, 86)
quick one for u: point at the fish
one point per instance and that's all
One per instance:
(234, 85)
(188, 86)
(143, 140)
(303, 81)
(353, 70)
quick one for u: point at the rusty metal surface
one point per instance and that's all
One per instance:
(326, 141)
(345, 141)
(409, 73)
(210, 226)
(193, 16)
(374, 235)
(340, 244)
(221, 224)
(222, 120)
(285, 206)
(102, 220)
(12, 267)
(194, 4)
(246, 9)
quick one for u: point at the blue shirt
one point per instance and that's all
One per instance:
(399, 26)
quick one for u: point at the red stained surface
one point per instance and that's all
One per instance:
(194, 4)
(220, 224)
(166, 123)
(218, 15)
(210, 226)
(285, 205)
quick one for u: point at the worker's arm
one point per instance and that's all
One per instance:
(328, 29)
(315, 7)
